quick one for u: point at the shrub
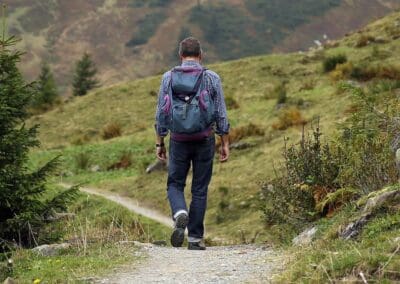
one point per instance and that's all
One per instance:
(289, 117)
(80, 139)
(24, 208)
(331, 62)
(364, 40)
(365, 72)
(342, 71)
(308, 84)
(223, 210)
(317, 179)
(82, 161)
(231, 103)
(281, 94)
(238, 133)
(124, 162)
(111, 130)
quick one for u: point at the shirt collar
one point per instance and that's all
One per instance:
(190, 63)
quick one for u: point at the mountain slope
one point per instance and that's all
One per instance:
(75, 129)
(132, 39)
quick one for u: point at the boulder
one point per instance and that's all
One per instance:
(372, 204)
(306, 237)
(95, 168)
(241, 145)
(50, 250)
(157, 166)
(9, 280)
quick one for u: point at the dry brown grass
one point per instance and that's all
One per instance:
(364, 40)
(241, 132)
(124, 162)
(111, 130)
(289, 117)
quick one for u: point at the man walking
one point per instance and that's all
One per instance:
(191, 107)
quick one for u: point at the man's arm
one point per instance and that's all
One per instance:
(221, 117)
(161, 151)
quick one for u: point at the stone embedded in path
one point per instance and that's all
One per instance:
(50, 250)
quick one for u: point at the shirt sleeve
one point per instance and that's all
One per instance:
(222, 123)
(161, 131)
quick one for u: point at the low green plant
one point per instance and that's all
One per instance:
(82, 161)
(317, 179)
(329, 64)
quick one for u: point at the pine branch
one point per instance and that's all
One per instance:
(61, 200)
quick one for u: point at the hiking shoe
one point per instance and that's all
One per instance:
(196, 246)
(178, 235)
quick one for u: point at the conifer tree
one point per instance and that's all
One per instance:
(85, 76)
(47, 94)
(23, 209)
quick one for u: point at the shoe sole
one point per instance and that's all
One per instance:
(178, 235)
(196, 248)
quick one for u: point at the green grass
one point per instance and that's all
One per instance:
(251, 83)
(95, 234)
(375, 252)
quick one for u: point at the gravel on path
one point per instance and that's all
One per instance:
(224, 264)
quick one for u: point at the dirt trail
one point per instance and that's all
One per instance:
(128, 203)
(220, 264)
(230, 264)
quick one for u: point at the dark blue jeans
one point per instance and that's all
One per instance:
(201, 155)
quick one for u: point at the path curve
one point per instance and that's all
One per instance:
(129, 203)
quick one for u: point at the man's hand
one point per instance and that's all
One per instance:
(161, 153)
(224, 152)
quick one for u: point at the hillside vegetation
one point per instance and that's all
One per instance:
(133, 39)
(252, 88)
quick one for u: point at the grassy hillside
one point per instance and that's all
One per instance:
(134, 39)
(251, 86)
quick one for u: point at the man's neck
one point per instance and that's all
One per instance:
(191, 59)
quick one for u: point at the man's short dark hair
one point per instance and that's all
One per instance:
(190, 47)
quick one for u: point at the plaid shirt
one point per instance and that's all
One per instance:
(214, 87)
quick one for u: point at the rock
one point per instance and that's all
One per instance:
(95, 168)
(142, 245)
(378, 201)
(61, 216)
(9, 280)
(157, 166)
(161, 243)
(380, 39)
(398, 159)
(373, 203)
(305, 238)
(241, 145)
(50, 250)
(353, 229)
